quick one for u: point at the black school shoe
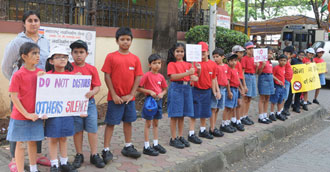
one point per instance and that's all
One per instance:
(272, 117)
(160, 149)
(286, 112)
(150, 151)
(205, 134)
(67, 168)
(269, 121)
(250, 120)
(231, 125)
(304, 106)
(280, 117)
(216, 132)
(194, 139)
(78, 160)
(176, 143)
(107, 156)
(226, 129)
(130, 151)
(316, 101)
(295, 109)
(246, 121)
(263, 121)
(239, 127)
(54, 169)
(97, 161)
(184, 141)
(309, 103)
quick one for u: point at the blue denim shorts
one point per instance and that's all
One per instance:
(25, 130)
(202, 102)
(232, 103)
(219, 104)
(159, 113)
(89, 123)
(266, 84)
(250, 81)
(120, 112)
(287, 89)
(179, 100)
(279, 95)
(322, 79)
(59, 127)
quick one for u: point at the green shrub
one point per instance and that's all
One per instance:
(225, 38)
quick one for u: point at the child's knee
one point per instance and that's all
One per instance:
(62, 139)
(155, 123)
(148, 123)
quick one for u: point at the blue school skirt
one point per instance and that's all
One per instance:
(180, 100)
(251, 84)
(266, 84)
(25, 130)
(59, 127)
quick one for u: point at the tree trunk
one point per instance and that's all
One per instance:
(165, 29)
(262, 9)
(316, 12)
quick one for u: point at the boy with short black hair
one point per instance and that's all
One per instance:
(153, 84)
(122, 74)
(79, 52)
(287, 51)
(279, 96)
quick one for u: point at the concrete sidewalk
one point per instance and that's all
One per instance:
(211, 155)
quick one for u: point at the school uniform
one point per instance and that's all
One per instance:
(280, 91)
(59, 126)
(266, 80)
(123, 69)
(221, 73)
(249, 74)
(156, 83)
(179, 97)
(234, 82)
(24, 82)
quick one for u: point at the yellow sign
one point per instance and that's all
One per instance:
(305, 78)
(212, 2)
(321, 67)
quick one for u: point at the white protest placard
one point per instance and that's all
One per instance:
(260, 54)
(62, 95)
(193, 53)
(64, 37)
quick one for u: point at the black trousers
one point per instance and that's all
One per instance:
(296, 103)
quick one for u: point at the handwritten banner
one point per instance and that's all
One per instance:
(260, 54)
(321, 67)
(62, 95)
(193, 53)
(305, 78)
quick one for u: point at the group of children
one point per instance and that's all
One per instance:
(197, 90)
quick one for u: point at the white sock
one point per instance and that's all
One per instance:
(238, 121)
(106, 149)
(155, 142)
(146, 145)
(223, 123)
(272, 113)
(261, 116)
(128, 144)
(63, 161)
(305, 103)
(241, 118)
(33, 168)
(233, 119)
(265, 115)
(54, 162)
(244, 116)
(278, 113)
(227, 122)
(191, 133)
(281, 110)
(203, 129)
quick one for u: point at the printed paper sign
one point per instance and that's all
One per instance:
(193, 53)
(62, 95)
(305, 78)
(321, 67)
(64, 37)
(260, 54)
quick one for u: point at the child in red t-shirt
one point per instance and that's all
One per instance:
(179, 99)
(58, 129)
(318, 59)
(307, 60)
(123, 72)
(153, 84)
(79, 52)
(279, 96)
(25, 125)
(219, 96)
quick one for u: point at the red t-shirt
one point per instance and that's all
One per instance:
(305, 60)
(248, 64)
(268, 67)
(318, 60)
(88, 70)
(122, 68)
(178, 67)
(238, 66)
(154, 82)
(233, 77)
(221, 73)
(279, 73)
(208, 70)
(24, 82)
(288, 72)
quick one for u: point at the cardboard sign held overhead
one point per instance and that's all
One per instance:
(260, 54)
(193, 53)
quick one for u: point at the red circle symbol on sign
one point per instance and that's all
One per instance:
(261, 52)
(297, 85)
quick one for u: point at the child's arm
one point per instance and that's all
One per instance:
(279, 81)
(108, 81)
(147, 91)
(130, 96)
(92, 92)
(257, 66)
(178, 76)
(161, 95)
(244, 83)
(21, 109)
(215, 89)
(230, 94)
(259, 70)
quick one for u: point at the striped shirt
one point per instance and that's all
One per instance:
(11, 56)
